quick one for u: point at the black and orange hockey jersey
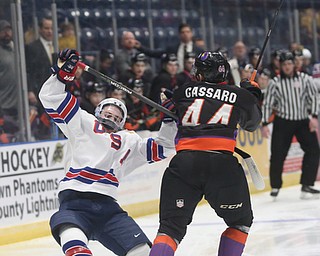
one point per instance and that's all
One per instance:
(209, 115)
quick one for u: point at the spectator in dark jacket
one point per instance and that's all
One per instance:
(185, 75)
(167, 77)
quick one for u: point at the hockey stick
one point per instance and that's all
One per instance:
(125, 88)
(266, 40)
(252, 168)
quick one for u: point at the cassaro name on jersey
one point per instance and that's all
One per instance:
(209, 92)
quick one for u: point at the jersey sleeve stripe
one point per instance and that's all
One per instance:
(67, 107)
(154, 151)
(54, 115)
(65, 111)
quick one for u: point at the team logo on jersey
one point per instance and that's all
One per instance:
(180, 203)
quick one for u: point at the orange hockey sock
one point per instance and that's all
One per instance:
(163, 245)
(232, 242)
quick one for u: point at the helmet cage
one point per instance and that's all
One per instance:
(109, 123)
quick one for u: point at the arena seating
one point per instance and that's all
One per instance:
(96, 21)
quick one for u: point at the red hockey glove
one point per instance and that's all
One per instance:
(167, 102)
(252, 87)
(66, 66)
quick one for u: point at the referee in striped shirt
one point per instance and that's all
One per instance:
(291, 104)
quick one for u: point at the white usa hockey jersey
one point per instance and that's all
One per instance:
(96, 160)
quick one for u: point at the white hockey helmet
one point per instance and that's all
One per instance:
(110, 119)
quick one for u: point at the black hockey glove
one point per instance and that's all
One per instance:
(252, 87)
(66, 66)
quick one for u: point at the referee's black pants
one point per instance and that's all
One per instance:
(282, 134)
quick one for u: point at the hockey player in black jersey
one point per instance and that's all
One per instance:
(209, 111)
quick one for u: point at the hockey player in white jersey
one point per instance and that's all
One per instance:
(99, 154)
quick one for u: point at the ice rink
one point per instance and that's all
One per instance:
(287, 227)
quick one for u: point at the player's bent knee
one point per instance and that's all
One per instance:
(245, 221)
(175, 227)
(139, 250)
(242, 228)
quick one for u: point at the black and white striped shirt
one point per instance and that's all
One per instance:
(293, 98)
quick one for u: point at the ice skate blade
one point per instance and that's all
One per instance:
(308, 196)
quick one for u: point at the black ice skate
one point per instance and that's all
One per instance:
(274, 193)
(308, 192)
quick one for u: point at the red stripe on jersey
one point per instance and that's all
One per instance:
(111, 177)
(206, 144)
(69, 107)
(54, 115)
(92, 176)
(155, 152)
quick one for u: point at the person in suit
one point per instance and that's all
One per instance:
(39, 56)
(185, 45)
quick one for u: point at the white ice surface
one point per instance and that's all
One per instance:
(287, 227)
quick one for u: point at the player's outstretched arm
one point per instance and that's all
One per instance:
(60, 105)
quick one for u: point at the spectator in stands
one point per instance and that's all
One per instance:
(295, 46)
(29, 35)
(200, 43)
(263, 78)
(125, 54)
(39, 55)
(117, 94)
(274, 65)
(8, 86)
(298, 59)
(167, 77)
(186, 75)
(8, 76)
(140, 115)
(8, 129)
(137, 72)
(106, 63)
(94, 93)
(253, 55)
(239, 59)
(307, 65)
(185, 45)
(68, 36)
(316, 75)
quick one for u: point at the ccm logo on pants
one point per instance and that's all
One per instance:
(230, 206)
